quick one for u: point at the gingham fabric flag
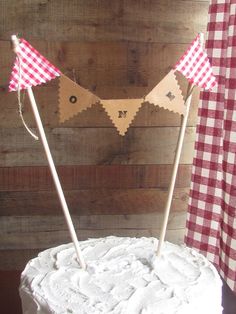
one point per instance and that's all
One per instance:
(195, 66)
(211, 219)
(30, 68)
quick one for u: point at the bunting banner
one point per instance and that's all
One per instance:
(195, 66)
(73, 98)
(122, 112)
(167, 94)
(30, 68)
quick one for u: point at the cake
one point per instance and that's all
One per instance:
(123, 275)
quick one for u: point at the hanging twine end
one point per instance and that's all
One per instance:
(16, 48)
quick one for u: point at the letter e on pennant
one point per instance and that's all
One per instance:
(167, 94)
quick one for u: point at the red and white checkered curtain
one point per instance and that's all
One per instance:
(211, 218)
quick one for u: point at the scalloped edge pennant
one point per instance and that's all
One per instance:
(73, 98)
(121, 112)
(167, 94)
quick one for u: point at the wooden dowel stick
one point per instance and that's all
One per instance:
(176, 161)
(53, 170)
(175, 169)
(56, 178)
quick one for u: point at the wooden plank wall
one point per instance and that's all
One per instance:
(113, 184)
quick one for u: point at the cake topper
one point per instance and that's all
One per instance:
(31, 69)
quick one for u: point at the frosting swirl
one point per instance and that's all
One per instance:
(123, 276)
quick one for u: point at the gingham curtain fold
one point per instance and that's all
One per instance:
(211, 218)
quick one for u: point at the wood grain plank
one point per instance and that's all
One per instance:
(95, 201)
(81, 146)
(86, 20)
(39, 223)
(47, 239)
(16, 259)
(92, 177)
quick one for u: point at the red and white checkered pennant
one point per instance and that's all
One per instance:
(195, 66)
(30, 68)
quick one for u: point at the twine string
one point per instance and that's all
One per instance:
(20, 105)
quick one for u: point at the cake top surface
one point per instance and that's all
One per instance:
(123, 275)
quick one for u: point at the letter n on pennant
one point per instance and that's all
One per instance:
(122, 112)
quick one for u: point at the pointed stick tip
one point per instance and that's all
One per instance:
(15, 43)
(201, 39)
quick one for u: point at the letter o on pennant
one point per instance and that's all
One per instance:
(73, 99)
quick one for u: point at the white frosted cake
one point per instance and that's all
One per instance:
(123, 275)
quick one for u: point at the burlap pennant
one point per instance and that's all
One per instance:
(167, 94)
(73, 98)
(122, 112)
